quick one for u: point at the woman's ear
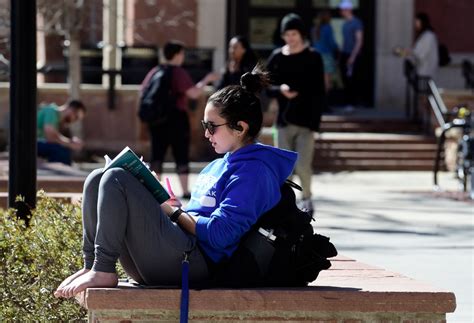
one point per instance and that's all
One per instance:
(242, 126)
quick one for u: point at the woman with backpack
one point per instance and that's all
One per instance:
(425, 51)
(122, 221)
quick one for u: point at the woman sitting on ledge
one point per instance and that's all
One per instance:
(122, 220)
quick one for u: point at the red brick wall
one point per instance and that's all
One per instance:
(452, 20)
(178, 20)
(154, 24)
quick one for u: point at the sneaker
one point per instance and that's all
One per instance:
(307, 206)
(186, 196)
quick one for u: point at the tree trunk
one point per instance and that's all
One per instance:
(74, 66)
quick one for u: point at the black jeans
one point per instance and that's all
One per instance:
(54, 152)
(350, 79)
(175, 133)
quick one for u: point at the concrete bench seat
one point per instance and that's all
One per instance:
(349, 292)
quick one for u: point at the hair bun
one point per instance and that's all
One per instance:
(250, 82)
(254, 81)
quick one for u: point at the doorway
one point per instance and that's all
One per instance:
(259, 21)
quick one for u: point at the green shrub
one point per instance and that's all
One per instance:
(34, 260)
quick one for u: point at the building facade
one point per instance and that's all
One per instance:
(125, 35)
(209, 24)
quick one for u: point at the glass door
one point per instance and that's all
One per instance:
(259, 21)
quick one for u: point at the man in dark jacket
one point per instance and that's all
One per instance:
(297, 75)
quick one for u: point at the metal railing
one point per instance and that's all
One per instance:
(416, 86)
(437, 105)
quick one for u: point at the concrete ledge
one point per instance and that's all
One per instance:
(350, 290)
(51, 177)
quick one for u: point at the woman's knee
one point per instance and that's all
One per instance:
(114, 176)
(92, 180)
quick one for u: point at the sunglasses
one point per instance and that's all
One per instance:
(209, 126)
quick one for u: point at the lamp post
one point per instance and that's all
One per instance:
(22, 162)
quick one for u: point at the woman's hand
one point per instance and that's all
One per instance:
(211, 77)
(401, 51)
(185, 221)
(287, 92)
(174, 201)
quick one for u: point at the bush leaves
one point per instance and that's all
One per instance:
(35, 259)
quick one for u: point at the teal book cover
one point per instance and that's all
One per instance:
(129, 161)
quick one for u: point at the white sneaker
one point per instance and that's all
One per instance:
(307, 206)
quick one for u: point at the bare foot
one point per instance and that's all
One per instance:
(88, 280)
(58, 291)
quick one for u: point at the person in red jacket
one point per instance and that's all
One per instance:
(175, 132)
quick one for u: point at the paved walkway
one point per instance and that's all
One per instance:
(395, 221)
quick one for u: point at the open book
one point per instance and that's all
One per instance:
(129, 161)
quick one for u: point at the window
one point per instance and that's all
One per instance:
(331, 4)
(273, 3)
(261, 30)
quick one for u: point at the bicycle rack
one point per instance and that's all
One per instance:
(466, 143)
(464, 120)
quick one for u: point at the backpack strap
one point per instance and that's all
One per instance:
(184, 304)
(293, 185)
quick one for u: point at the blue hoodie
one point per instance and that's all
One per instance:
(232, 192)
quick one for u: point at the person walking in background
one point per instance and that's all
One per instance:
(323, 42)
(297, 78)
(175, 131)
(241, 60)
(51, 122)
(425, 53)
(349, 63)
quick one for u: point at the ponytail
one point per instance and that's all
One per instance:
(242, 103)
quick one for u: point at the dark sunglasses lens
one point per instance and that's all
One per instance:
(208, 126)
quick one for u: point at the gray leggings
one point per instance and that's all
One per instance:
(121, 220)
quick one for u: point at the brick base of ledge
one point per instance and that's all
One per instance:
(347, 293)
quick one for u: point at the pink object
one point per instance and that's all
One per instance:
(168, 185)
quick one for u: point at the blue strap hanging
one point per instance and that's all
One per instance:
(184, 307)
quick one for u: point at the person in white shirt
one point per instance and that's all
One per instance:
(424, 53)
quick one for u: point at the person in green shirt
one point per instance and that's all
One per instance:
(51, 120)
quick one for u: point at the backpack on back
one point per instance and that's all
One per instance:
(157, 101)
(281, 249)
(443, 55)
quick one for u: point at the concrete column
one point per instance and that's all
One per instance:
(40, 47)
(394, 27)
(211, 29)
(113, 33)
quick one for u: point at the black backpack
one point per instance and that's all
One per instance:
(157, 101)
(443, 55)
(281, 249)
